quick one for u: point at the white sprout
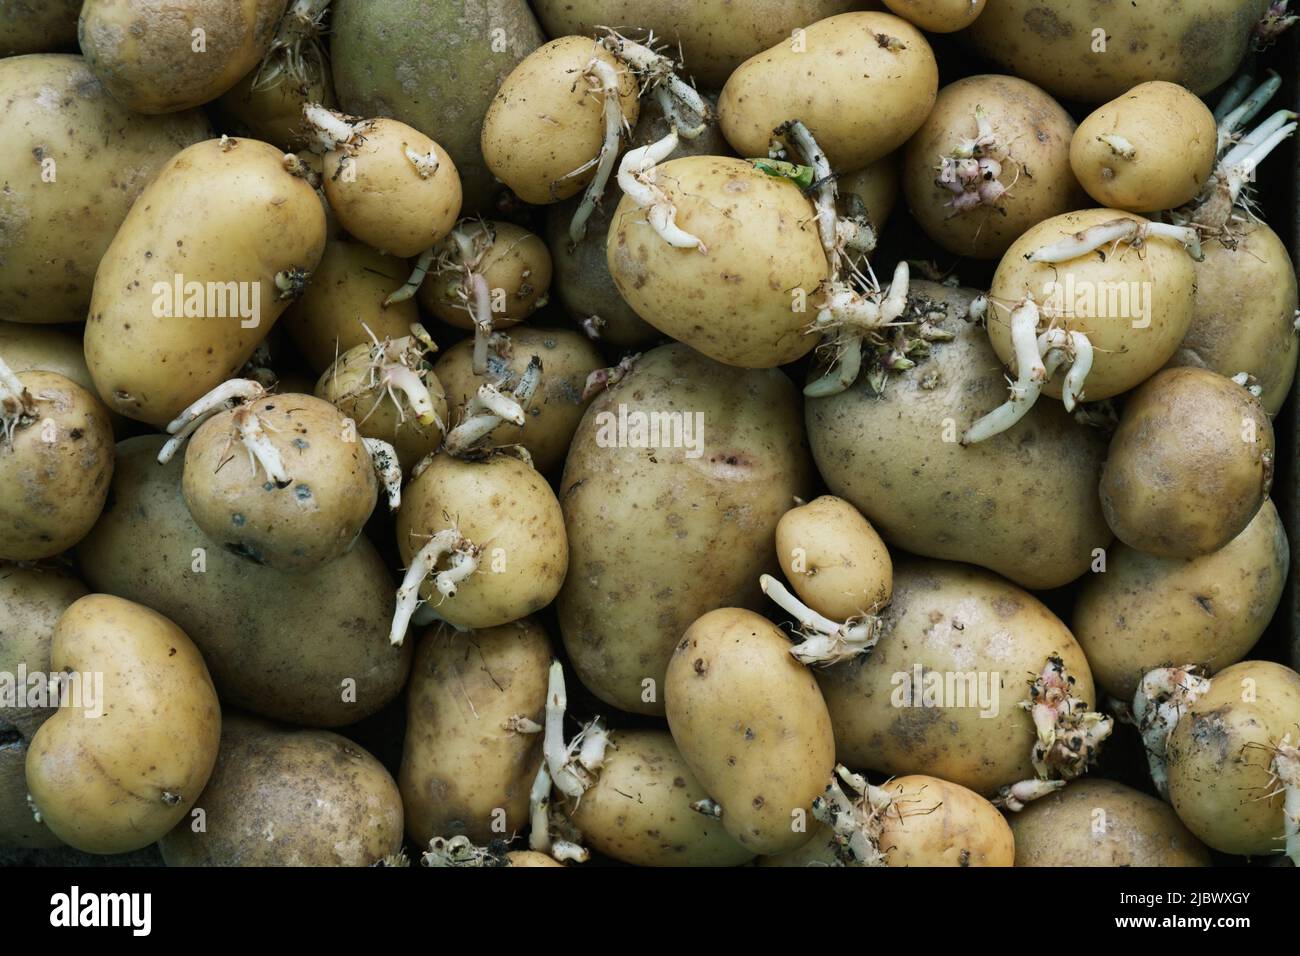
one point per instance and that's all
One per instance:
(490, 407)
(463, 562)
(383, 457)
(855, 822)
(824, 641)
(636, 177)
(1163, 696)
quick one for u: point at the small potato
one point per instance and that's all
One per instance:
(937, 823)
(514, 264)
(285, 797)
(465, 770)
(160, 57)
(834, 559)
(1189, 466)
(392, 187)
(1095, 822)
(638, 811)
(557, 405)
(752, 726)
(529, 858)
(1146, 612)
(1152, 148)
(56, 462)
(938, 16)
(865, 83)
(545, 122)
(154, 734)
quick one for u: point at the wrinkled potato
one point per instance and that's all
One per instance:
(763, 765)
(279, 796)
(862, 83)
(160, 56)
(153, 348)
(896, 458)
(59, 212)
(56, 461)
(513, 262)
(639, 812)
(465, 770)
(1243, 315)
(975, 198)
(659, 535)
(1095, 822)
(1146, 612)
(938, 16)
(154, 735)
(38, 26)
(1152, 148)
(986, 639)
(737, 301)
(309, 648)
(545, 123)
(834, 559)
(1189, 466)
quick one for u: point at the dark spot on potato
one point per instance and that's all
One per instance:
(701, 667)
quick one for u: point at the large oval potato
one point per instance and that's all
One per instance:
(152, 730)
(285, 797)
(154, 348)
(661, 531)
(74, 162)
(308, 648)
(465, 770)
(752, 726)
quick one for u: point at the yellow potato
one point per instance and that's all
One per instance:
(513, 262)
(938, 16)
(153, 733)
(937, 823)
(273, 113)
(834, 559)
(752, 726)
(529, 858)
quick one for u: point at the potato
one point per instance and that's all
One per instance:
(154, 735)
(506, 508)
(545, 122)
(307, 648)
(529, 858)
(1189, 466)
(937, 823)
(1095, 822)
(1219, 754)
(557, 406)
(513, 262)
(74, 163)
(24, 347)
(1243, 315)
(834, 559)
(866, 82)
(38, 26)
(938, 16)
(1058, 45)
(1146, 612)
(285, 797)
(1134, 305)
(1152, 148)
(751, 725)
(638, 811)
(56, 460)
(435, 67)
(310, 519)
(659, 535)
(153, 348)
(1027, 157)
(895, 456)
(160, 56)
(345, 297)
(737, 301)
(465, 772)
(985, 639)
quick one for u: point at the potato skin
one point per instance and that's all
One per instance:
(1137, 829)
(861, 96)
(735, 302)
(55, 470)
(1189, 465)
(54, 234)
(150, 367)
(1146, 612)
(285, 797)
(27, 347)
(953, 619)
(752, 726)
(156, 737)
(287, 646)
(834, 559)
(943, 824)
(143, 50)
(887, 455)
(639, 811)
(529, 858)
(461, 767)
(938, 16)
(657, 538)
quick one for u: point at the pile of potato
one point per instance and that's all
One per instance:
(687, 433)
